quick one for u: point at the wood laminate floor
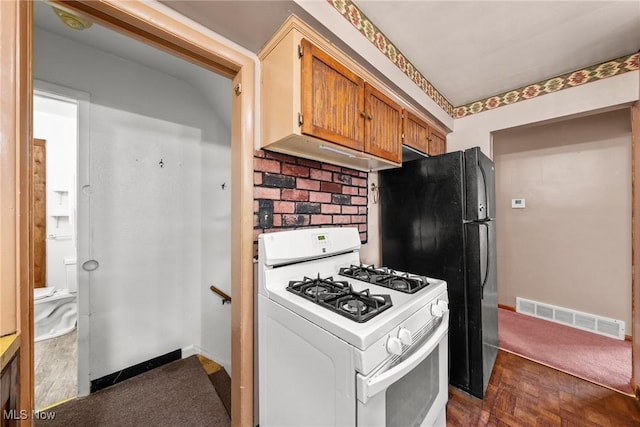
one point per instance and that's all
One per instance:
(525, 393)
(56, 369)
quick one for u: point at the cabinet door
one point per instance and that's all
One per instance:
(383, 129)
(416, 132)
(9, 392)
(437, 143)
(332, 99)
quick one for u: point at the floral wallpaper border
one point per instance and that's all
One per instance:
(601, 71)
(565, 81)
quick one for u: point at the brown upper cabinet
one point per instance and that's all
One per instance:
(421, 136)
(332, 99)
(318, 103)
(437, 142)
(383, 128)
(416, 132)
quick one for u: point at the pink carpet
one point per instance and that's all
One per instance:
(596, 358)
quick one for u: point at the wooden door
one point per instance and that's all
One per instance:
(437, 143)
(332, 99)
(38, 212)
(383, 129)
(416, 132)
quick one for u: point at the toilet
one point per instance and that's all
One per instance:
(56, 308)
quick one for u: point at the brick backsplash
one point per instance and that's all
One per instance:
(299, 193)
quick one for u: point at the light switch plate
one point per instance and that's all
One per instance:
(517, 203)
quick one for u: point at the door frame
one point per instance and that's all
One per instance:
(161, 28)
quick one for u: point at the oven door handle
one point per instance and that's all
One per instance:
(369, 386)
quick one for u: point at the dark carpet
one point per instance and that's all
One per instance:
(176, 394)
(222, 383)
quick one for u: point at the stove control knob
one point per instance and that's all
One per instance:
(394, 346)
(436, 310)
(405, 336)
(443, 305)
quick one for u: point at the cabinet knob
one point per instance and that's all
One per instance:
(363, 114)
(370, 117)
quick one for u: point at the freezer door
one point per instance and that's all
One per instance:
(480, 185)
(482, 303)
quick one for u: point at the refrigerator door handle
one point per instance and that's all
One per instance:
(487, 258)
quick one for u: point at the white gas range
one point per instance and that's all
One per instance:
(344, 344)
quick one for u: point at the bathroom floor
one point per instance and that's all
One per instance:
(56, 369)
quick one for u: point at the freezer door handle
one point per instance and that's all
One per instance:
(484, 250)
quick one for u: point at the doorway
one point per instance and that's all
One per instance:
(55, 144)
(154, 203)
(569, 245)
(173, 33)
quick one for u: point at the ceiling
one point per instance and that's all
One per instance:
(468, 50)
(209, 84)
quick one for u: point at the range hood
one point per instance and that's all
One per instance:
(409, 154)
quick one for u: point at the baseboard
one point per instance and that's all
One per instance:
(506, 307)
(132, 371)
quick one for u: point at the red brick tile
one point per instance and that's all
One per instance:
(257, 178)
(363, 237)
(359, 182)
(363, 174)
(363, 192)
(320, 175)
(258, 153)
(295, 170)
(355, 200)
(332, 168)
(330, 187)
(266, 165)
(256, 233)
(277, 220)
(256, 206)
(319, 197)
(358, 218)
(321, 219)
(295, 220)
(342, 178)
(266, 193)
(283, 207)
(310, 163)
(330, 209)
(362, 210)
(281, 157)
(351, 210)
(362, 227)
(296, 195)
(354, 191)
(348, 171)
(256, 221)
(341, 219)
(307, 184)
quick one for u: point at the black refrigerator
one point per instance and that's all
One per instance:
(437, 220)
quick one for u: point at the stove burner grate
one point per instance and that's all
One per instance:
(339, 297)
(382, 276)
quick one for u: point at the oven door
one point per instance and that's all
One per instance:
(411, 389)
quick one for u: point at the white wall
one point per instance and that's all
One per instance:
(55, 121)
(475, 130)
(161, 234)
(571, 244)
